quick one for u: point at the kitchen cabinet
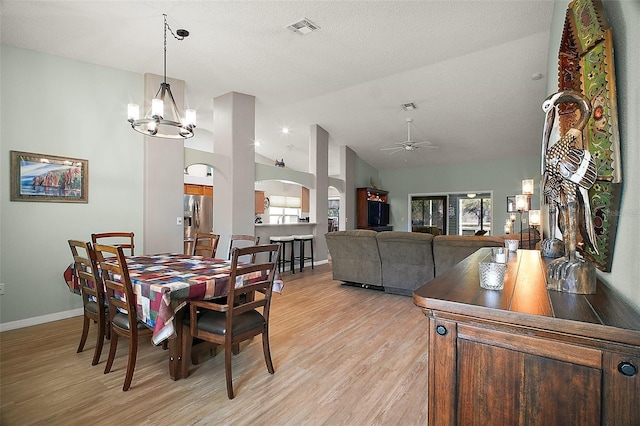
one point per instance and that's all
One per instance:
(193, 189)
(527, 355)
(305, 200)
(259, 202)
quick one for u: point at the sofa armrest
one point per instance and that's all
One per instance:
(354, 256)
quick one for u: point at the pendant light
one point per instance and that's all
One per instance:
(164, 119)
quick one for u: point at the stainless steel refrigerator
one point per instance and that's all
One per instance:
(198, 217)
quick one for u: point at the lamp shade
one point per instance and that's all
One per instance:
(522, 202)
(534, 217)
(527, 186)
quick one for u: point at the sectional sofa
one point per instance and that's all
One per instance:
(399, 262)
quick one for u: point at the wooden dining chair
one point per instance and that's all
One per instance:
(206, 244)
(240, 241)
(93, 298)
(117, 239)
(122, 313)
(238, 319)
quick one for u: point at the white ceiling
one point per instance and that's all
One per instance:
(467, 65)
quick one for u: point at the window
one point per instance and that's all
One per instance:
(475, 215)
(283, 215)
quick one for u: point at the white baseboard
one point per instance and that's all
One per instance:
(28, 322)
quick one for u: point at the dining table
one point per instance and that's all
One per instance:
(164, 284)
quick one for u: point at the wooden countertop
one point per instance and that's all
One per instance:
(526, 301)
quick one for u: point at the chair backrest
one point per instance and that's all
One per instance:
(86, 269)
(206, 244)
(117, 239)
(241, 241)
(263, 283)
(112, 263)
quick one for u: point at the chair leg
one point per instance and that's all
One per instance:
(267, 351)
(85, 333)
(108, 328)
(301, 255)
(131, 362)
(312, 254)
(227, 369)
(112, 352)
(187, 343)
(293, 262)
(99, 343)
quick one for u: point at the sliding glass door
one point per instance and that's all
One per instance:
(429, 211)
(453, 214)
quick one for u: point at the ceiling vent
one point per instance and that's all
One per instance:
(303, 26)
(409, 107)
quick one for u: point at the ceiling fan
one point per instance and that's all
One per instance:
(408, 145)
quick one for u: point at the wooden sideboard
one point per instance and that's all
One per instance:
(525, 355)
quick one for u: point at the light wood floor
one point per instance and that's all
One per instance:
(343, 356)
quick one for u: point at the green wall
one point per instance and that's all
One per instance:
(504, 178)
(51, 105)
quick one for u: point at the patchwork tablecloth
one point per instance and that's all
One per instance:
(164, 283)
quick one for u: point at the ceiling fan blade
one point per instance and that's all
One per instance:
(391, 149)
(396, 151)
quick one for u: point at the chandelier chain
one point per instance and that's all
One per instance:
(179, 38)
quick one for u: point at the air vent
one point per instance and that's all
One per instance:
(409, 106)
(303, 26)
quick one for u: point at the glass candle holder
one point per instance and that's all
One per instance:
(512, 245)
(492, 275)
(499, 254)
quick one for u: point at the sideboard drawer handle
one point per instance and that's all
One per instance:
(441, 330)
(627, 369)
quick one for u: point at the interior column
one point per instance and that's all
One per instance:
(234, 134)
(319, 195)
(163, 181)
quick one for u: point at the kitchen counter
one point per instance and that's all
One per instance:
(268, 230)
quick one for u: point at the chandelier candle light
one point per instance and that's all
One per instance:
(164, 121)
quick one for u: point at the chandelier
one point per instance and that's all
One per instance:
(164, 119)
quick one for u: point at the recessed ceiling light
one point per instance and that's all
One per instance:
(303, 26)
(409, 106)
(285, 130)
(257, 143)
(536, 76)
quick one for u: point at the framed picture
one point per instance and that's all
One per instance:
(42, 177)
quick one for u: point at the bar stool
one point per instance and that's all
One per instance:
(302, 239)
(283, 241)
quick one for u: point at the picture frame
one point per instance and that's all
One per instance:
(48, 178)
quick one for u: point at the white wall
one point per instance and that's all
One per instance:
(51, 105)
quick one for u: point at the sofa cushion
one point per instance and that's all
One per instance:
(448, 250)
(407, 260)
(356, 256)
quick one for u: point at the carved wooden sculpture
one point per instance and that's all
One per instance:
(586, 66)
(568, 171)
